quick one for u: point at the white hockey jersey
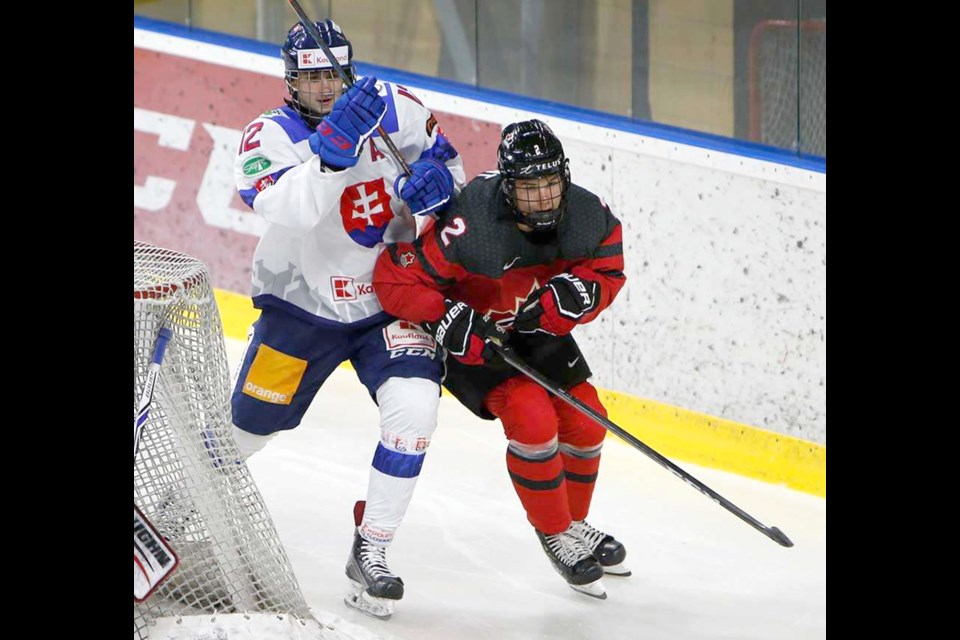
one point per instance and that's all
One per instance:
(327, 228)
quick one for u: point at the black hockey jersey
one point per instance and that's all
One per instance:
(476, 254)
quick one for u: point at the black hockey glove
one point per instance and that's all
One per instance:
(557, 307)
(465, 333)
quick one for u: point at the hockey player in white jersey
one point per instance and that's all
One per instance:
(317, 170)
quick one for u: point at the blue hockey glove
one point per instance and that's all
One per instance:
(355, 116)
(428, 189)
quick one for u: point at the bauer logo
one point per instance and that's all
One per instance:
(345, 289)
(255, 165)
(274, 376)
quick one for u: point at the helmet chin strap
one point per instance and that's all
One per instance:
(541, 221)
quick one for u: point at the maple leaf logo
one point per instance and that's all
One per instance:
(504, 318)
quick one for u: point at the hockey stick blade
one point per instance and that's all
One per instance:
(780, 536)
(507, 354)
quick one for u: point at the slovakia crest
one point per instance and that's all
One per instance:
(365, 211)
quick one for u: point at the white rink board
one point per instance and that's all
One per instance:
(724, 311)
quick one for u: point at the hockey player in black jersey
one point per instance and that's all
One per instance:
(525, 255)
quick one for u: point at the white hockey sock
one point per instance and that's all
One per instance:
(387, 500)
(249, 443)
(408, 418)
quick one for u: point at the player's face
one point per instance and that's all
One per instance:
(319, 89)
(534, 195)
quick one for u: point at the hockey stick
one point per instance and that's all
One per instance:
(153, 557)
(312, 30)
(771, 532)
(146, 396)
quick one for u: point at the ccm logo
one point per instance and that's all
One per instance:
(344, 288)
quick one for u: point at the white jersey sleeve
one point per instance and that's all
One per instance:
(326, 228)
(275, 146)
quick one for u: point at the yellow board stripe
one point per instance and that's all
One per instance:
(236, 313)
(678, 434)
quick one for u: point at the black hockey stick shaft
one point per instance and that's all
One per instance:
(771, 532)
(315, 34)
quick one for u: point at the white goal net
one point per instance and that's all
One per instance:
(233, 569)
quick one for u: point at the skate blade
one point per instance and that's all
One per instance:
(617, 570)
(365, 603)
(593, 589)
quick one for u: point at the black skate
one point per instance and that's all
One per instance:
(572, 560)
(376, 590)
(609, 551)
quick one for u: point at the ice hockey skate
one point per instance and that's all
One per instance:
(375, 589)
(572, 560)
(609, 551)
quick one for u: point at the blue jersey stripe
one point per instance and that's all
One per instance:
(248, 195)
(396, 464)
(294, 126)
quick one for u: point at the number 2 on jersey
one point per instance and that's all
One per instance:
(248, 142)
(457, 227)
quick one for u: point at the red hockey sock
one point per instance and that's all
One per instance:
(530, 423)
(581, 439)
(581, 478)
(542, 490)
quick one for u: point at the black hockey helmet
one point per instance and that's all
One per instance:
(529, 149)
(300, 52)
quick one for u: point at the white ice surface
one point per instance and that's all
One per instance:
(473, 567)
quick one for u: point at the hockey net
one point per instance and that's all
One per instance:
(186, 479)
(788, 85)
